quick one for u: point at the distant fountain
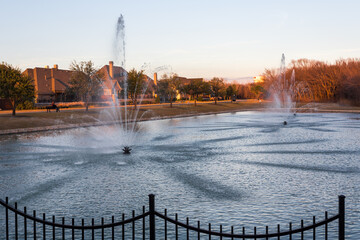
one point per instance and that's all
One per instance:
(282, 90)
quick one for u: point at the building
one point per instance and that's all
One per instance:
(5, 104)
(50, 83)
(113, 79)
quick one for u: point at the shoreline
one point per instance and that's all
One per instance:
(94, 124)
(190, 111)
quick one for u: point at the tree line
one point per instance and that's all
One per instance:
(169, 86)
(315, 81)
(320, 81)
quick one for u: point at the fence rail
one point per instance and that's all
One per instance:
(149, 227)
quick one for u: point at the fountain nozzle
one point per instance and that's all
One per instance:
(285, 122)
(126, 150)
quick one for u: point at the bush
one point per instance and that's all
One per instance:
(25, 105)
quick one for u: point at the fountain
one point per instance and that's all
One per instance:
(282, 89)
(120, 120)
(124, 116)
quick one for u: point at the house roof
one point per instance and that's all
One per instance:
(49, 80)
(118, 76)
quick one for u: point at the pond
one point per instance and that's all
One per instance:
(243, 169)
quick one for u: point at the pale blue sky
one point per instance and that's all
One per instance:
(197, 38)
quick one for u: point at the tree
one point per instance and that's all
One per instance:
(231, 91)
(217, 84)
(15, 86)
(86, 81)
(169, 86)
(194, 88)
(206, 88)
(135, 85)
(257, 90)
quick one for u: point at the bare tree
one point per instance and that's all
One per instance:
(85, 81)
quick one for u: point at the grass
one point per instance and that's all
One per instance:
(41, 120)
(37, 119)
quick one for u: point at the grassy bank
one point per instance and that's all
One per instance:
(32, 121)
(42, 119)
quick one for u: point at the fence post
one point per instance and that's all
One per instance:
(341, 217)
(152, 216)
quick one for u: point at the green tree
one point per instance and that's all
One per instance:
(206, 88)
(230, 91)
(86, 81)
(16, 87)
(257, 90)
(194, 88)
(135, 85)
(169, 86)
(217, 85)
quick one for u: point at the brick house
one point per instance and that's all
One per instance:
(50, 83)
(113, 77)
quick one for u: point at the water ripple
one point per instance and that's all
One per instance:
(334, 169)
(288, 143)
(325, 152)
(209, 187)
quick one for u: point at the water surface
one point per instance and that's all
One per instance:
(244, 169)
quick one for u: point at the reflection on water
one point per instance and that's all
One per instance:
(245, 168)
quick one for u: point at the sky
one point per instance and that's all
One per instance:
(232, 39)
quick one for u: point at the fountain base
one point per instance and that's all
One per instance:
(126, 150)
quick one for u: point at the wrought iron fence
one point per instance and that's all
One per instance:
(49, 228)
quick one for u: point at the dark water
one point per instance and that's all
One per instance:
(245, 169)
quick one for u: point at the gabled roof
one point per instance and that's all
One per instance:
(118, 77)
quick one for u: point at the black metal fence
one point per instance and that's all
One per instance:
(42, 228)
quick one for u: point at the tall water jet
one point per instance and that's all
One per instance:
(124, 116)
(123, 128)
(119, 42)
(282, 89)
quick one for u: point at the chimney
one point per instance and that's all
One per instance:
(111, 69)
(155, 79)
(56, 66)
